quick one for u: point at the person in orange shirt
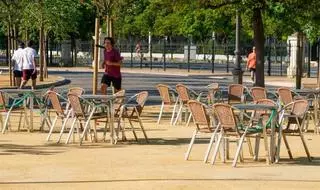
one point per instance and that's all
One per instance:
(251, 63)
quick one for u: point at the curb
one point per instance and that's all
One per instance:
(61, 81)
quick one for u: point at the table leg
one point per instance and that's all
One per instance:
(31, 114)
(272, 140)
(111, 122)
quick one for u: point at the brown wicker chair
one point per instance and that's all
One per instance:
(230, 127)
(296, 117)
(184, 95)
(258, 93)
(236, 93)
(203, 125)
(168, 99)
(132, 111)
(85, 111)
(56, 101)
(287, 96)
(214, 94)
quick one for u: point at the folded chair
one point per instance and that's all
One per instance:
(132, 111)
(168, 97)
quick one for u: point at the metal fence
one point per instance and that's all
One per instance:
(177, 53)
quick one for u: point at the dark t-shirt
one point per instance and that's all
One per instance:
(112, 56)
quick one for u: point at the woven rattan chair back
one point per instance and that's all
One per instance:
(182, 91)
(300, 108)
(53, 97)
(285, 95)
(235, 93)
(199, 114)
(225, 116)
(164, 93)
(258, 93)
(76, 90)
(268, 102)
(141, 100)
(76, 105)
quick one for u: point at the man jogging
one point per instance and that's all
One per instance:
(17, 59)
(112, 63)
(29, 69)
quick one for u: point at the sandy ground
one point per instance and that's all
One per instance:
(29, 162)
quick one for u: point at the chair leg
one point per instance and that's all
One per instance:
(216, 149)
(287, 145)
(186, 157)
(65, 120)
(189, 119)
(238, 152)
(210, 145)
(256, 147)
(160, 113)
(178, 114)
(142, 128)
(71, 130)
(173, 112)
(250, 146)
(305, 146)
(6, 121)
(51, 128)
(133, 131)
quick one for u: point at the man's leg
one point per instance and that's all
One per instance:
(34, 84)
(104, 88)
(18, 81)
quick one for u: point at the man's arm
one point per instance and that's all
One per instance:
(113, 63)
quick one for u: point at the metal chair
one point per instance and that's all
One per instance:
(203, 125)
(56, 101)
(132, 111)
(85, 111)
(168, 98)
(236, 93)
(231, 127)
(296, 118)
(184, 95)
(258, 93)
(16, 106)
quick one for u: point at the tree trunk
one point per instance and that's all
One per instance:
(299, 60)
(45, 63)
(96, 63)
(41, 52)
(9, 54)
(259, 44)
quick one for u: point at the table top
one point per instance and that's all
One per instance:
(100, 97)
(254, 107)
(22, 90)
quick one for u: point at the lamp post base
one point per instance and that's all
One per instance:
(237, 76)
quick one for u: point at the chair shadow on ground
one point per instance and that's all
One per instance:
(300, 161)
(12, 149)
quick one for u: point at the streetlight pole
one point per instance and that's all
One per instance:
(212, 56)
(237, 71)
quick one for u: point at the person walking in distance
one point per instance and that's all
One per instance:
(112, 64)
(251, 63)
(17, 60)
(29, 69)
